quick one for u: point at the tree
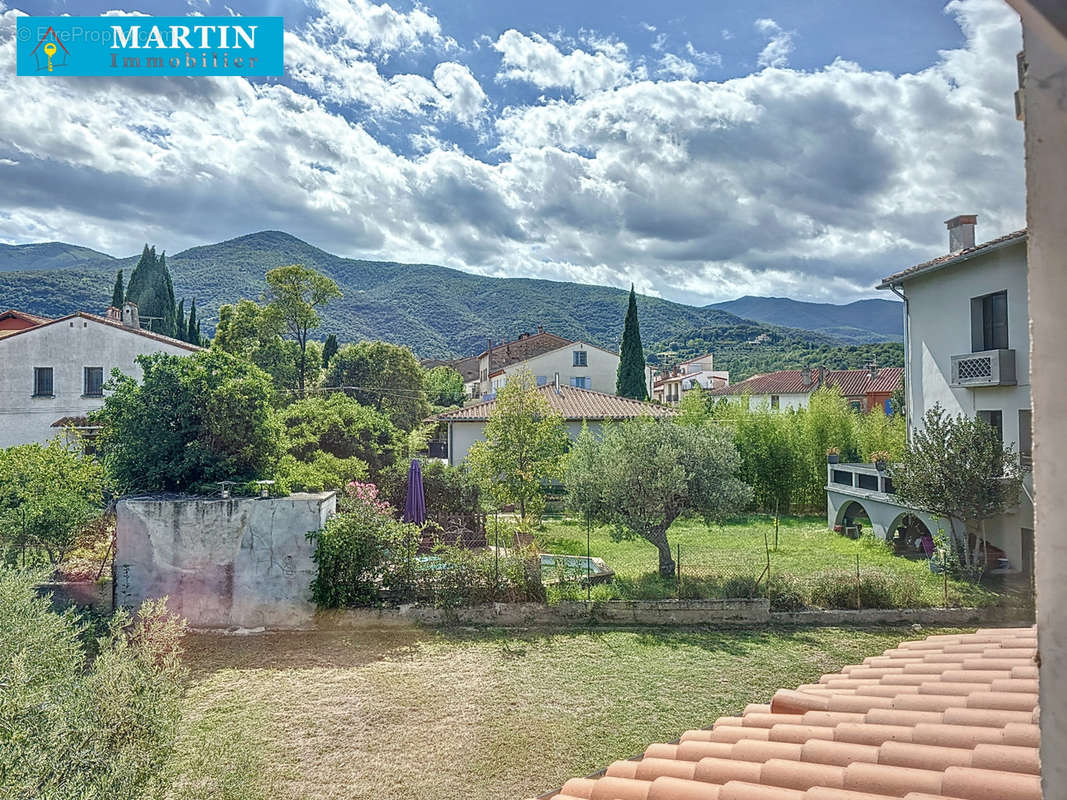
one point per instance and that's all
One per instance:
(386, 377)
(150, 287)
(772, 461)
(653, 470)
(444, 387)
(957, 468)
(192, 420)
(48, 494)
(329, 350)
(295, 294)
(181, 327)
(247, 331)
(192, 328)
(631, 380)
(827, 422)
(525, 441)
(118, 295)
(340, 438)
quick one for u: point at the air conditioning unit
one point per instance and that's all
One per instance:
(987, 368)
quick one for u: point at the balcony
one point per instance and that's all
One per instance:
(859, 477)
(987, 368)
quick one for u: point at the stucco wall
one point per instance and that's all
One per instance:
(463, 435)
(68, 347)
(241, 562)
(601, 367)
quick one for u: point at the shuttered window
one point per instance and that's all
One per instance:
(42, 382)
(94, 381)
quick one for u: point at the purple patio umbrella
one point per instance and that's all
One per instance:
(415, 505)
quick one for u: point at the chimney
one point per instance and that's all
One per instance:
(822, 376)
(873, 368)
(805, 375)
(540, 328)
(130, 317)
(113, 314)
(961, 232)
(556, 382)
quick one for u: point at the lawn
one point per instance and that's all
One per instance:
(420, 714)
(737, 550)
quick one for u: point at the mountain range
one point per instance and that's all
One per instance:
(437, 311)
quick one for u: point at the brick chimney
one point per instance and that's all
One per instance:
(113, 314)
(961, 232)
(130, 318)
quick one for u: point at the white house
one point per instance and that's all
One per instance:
(864, 389)
(54, 370)
(669, 386)
(577, 406)
(577, 364)
(967, 347)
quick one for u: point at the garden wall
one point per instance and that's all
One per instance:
(233, 563)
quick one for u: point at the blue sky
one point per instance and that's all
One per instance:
(703, 150)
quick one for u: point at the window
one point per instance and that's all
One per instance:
(989, 322)
(856, 405)
(94, 381)
(42, 382)
(580, 383)
(542, 380)
(581, 358)
(995, 419)
(1026, 438)
(775, 401)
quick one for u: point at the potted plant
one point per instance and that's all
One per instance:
(880, 459)
(833, 455)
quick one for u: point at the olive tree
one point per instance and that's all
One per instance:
(650, 472)
(958, 469)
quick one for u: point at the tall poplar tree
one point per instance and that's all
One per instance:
(631, 376)
(118, 294)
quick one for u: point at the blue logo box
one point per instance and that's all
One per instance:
(138, 46)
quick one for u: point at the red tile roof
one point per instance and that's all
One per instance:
(12, 313)
(110, 322)
(951, 717)
(851, 382)
(952, 258)
(525, 348)
(573, 403)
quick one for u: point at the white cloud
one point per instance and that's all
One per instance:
(677, 67)
(533, 59)
(779, 44)
(807, 183)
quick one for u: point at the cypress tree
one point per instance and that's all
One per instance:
(329, 349)
(179, 322)
(118, 293)
(192, 330)
(170, 324)
(631, 376)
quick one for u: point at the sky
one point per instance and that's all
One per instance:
(702, 150)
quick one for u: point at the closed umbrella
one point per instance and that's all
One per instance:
(415, 505)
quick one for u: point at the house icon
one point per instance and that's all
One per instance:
(50, 52)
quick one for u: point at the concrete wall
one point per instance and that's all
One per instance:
(463, 435)
(242, 562)
(1045, 103)
(939, 319)
(68, 347)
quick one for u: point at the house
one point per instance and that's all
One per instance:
(497, 358)
(949, 716)
(967, 348)
(670, 385)
(578, 407)
(55, 369)
(864, 389)
(577, 364)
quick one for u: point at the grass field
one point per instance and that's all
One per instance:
(475, 715)
(737, 549)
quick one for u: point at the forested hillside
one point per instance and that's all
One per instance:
(862, 321)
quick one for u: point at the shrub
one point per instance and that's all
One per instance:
(447, 490)
(836, 588)
(740, 587)
(84, 720)
(462, 577)
(787, 593)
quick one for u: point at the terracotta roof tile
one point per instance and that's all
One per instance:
(573, 403)
(111, 323)
(953, 731)
(851, 382)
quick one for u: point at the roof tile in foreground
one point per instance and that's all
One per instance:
(951, 717)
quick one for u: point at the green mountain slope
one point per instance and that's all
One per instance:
(862, 321)
(435, 310)
(50, 255)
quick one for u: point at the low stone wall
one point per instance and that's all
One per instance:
(233, 563)
(639, 613)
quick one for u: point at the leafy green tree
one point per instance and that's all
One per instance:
(772, 460)
(827, 422)
(524, 445)
(85, 716)
(444, 387)
(361, 441)
(650, 472)
(118, 294)
(877, 433)
(192, 420)
(295, 295)
(631, 380)
(247, 331)
(956, 468)
(386, 377)
(329, 350)
(48, 494)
